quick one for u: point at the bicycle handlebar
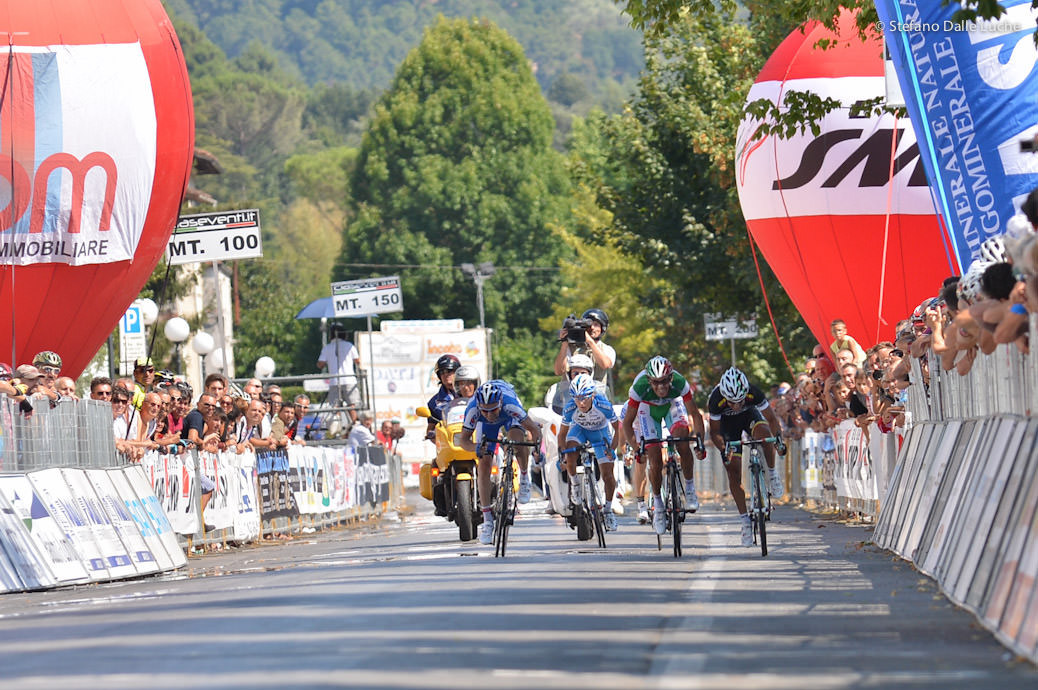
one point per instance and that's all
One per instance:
(735, 445)
(671, 440)
(508, 442)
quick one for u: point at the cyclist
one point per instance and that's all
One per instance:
(736, 406)
(654, 390)
(637, 462)
(446, 366)
(494, 408)
(590, 417)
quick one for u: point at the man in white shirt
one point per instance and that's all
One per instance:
(361, 434)
(341, 358)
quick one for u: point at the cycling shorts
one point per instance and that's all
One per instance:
(648, 428)
(598, 438)
(733, 426)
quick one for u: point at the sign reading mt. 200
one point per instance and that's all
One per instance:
(216, 236)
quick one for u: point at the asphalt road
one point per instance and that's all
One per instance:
(403, 604)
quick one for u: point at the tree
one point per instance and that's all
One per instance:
(457, 166)
(663, 169)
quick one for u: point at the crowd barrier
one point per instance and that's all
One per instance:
(963, 507)
(63, 526)
(270, 492)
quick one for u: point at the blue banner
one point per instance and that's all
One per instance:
(972, 95)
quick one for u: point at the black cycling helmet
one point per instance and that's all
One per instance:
(447, 363)
(599, 316)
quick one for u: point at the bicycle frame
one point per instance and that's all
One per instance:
(589, 491)
(673, 488)
(505, 503)
(760, 499)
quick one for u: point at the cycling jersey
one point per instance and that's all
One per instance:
(512, 414)
(642, 393)
(600, 416)
(718, 406)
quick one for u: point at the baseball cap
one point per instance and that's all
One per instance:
(142, 363)
(27, 371)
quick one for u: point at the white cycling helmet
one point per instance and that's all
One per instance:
(579, 362)
(659, 367)
(993, 250)
(734, 385)
(968, 288)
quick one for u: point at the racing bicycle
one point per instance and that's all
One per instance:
(589, 515)
(760, 499)
(505, 502)
(673, 489)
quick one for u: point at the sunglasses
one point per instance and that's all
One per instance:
(103, 394)
(51, 370)
(120, 401)
(897, 353)
(495, 408)
(660, 382)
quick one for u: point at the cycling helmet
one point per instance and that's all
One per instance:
(734, 385)
(579, 362)
(968, 289)
(463, 374)
(447, 363)
(488, 396)
(6, 373)
(47, 359)
(597, 315)
(582, 386)
(993, 250)
(659, 367)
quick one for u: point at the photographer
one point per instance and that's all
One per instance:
(583, 336)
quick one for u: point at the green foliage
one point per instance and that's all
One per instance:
(457, 166)
(525, 361)
(663, 169)
(268, 325)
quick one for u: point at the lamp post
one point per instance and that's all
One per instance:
(177, 330)
(264, 367)
(480, 274)
(202, 344)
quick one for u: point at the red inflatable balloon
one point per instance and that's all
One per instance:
(844, 242)
(96, 145)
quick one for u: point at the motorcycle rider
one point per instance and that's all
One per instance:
(590, 417)
(466, 381)
(496, 407)
(446, 366)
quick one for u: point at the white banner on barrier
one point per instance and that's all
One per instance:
(855, 475)
(152, 509)
(50, 486)
(115, 553)
(246, 517)
(28, 562)
(54, 545)
(125, 527)
(811, 459)
(306, 477)
(222, 506)
(9, 579)
(145, 528)
(172, 480)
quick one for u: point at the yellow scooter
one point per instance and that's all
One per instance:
(452, 474)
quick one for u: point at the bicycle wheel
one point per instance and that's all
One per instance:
(504, 515)
(596, 507)
(759, 494)
(675, 508)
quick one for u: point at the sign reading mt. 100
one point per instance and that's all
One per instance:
(219, 236)
(367, 296)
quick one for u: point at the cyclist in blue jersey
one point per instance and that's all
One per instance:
(493, 409)
(445, 368)
(590, 418)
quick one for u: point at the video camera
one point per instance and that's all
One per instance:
(576, 329)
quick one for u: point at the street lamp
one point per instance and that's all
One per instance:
(479, 275)
(202, 344)
(177, 330)
(264, 367)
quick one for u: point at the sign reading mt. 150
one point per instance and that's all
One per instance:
(218, 236)
(367, 296)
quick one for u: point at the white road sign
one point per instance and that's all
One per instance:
(367, 296)
(219, 236)
(132, 342)
(721, 327)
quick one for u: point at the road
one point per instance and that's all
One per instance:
(403, 604)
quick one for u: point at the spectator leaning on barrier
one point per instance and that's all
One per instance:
(385, 435)
(300, 406)
(143, 378)
(66, 388)
(49, 365)
(361, 433)
(257, 429)
(195, 421)
(215, 385)
(101, 389)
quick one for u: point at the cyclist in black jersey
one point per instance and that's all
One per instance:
(736, 406)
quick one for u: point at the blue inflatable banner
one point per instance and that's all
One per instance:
(972, 95)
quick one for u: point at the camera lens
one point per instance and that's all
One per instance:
(877, 375)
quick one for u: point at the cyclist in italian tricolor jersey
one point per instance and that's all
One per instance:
(651, 395)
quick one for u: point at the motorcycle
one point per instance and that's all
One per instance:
(450, 480)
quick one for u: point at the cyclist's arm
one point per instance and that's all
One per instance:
(560, 359)
(563, 432)
(531, 426)
(773, 421)
(616, 435)
(598, 353)
(465, 440)
(628, 421)
(694, 414)
(715, 434)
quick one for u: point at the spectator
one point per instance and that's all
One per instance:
(196, 419)
(300, 407)
(602, 355)
(385, 435)
(279, 427)
(49, 365)
(215, 385)
(342, 361)
(256, 427)
(842, 341)
(101, 389)
(361, 434)
(123, 428)
(143, 378)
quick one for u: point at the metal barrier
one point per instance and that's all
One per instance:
(75, 433)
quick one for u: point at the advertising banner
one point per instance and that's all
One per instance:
(150, 506)
(129, 534)
(115, 553)
(50, 486)
(24, 561)
(172, 478)
(275, 496)
(243, 479)
(972, 95)
(58, 550)
(143, 523)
